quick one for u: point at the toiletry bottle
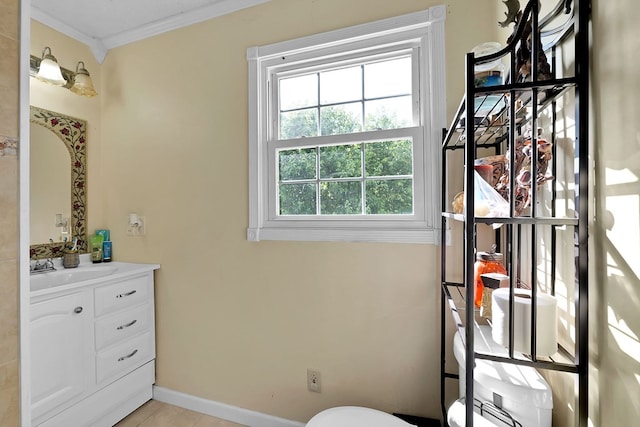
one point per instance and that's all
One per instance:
(106, 251)
(96, 248)
(105, 233)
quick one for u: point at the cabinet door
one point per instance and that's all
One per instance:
(61, 345)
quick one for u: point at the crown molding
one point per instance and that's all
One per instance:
(100, 47)
(97, 47)
(178, 21)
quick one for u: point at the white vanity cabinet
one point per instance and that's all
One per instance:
(93, 349)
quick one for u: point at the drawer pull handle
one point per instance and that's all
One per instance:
(120, 359)
(77, 310)
(127, 325)
(127, 294)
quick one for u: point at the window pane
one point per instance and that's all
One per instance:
(296, 124)
(388, 158)
(340, 161)
(297, 199)
(389, 197)
(298, 92)
(341, 198)
(390, 113)
(341, 85)
(340, 119)
(297, 164)
(387, 78)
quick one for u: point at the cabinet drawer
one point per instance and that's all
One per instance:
(122, 358)
(121, 295)
(122, 325)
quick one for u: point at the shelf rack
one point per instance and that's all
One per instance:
(507, 110)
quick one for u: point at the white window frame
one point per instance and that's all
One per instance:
(423, 29)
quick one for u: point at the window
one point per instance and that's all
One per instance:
(345, 133)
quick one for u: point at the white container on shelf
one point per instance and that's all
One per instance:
(518, 390)
(489, 73)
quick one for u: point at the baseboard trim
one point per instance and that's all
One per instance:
(221, 410)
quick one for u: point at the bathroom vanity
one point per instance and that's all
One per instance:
(92, 343)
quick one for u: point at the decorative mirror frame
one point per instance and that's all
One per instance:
(73, 133)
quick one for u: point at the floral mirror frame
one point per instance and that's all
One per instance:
(73, 133)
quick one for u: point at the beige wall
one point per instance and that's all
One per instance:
(615, 287)
(240, 322)
(9, 113)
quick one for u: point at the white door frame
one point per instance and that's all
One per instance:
(24, 350)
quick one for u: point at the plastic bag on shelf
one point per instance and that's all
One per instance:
(488, 202)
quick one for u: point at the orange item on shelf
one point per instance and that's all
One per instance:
(486, 262)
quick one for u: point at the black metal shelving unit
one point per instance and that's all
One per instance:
(524, 102)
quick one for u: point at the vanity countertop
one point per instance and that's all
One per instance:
(86, 274)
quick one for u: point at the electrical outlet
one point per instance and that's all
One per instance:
(313, 381)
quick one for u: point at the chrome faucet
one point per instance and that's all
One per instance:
(42, 266)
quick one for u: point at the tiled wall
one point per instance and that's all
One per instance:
(9, 130)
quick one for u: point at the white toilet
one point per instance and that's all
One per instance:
(355, 416)
(520, 391)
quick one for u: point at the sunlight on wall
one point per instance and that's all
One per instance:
(627, 208)
(622, 176)
(626, 339)
(620, 366)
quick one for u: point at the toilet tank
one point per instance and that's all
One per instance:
(519, 390)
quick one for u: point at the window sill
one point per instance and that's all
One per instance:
(421, 236)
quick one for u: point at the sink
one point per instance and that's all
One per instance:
(68, 276)
(87, 274)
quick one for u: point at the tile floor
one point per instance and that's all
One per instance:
(159, 414)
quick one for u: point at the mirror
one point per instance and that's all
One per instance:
(58, 182)
(50, 199)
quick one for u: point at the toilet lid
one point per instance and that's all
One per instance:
(355, 416)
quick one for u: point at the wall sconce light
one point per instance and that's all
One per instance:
(46, 69)
(82, 84)
(49, 70)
